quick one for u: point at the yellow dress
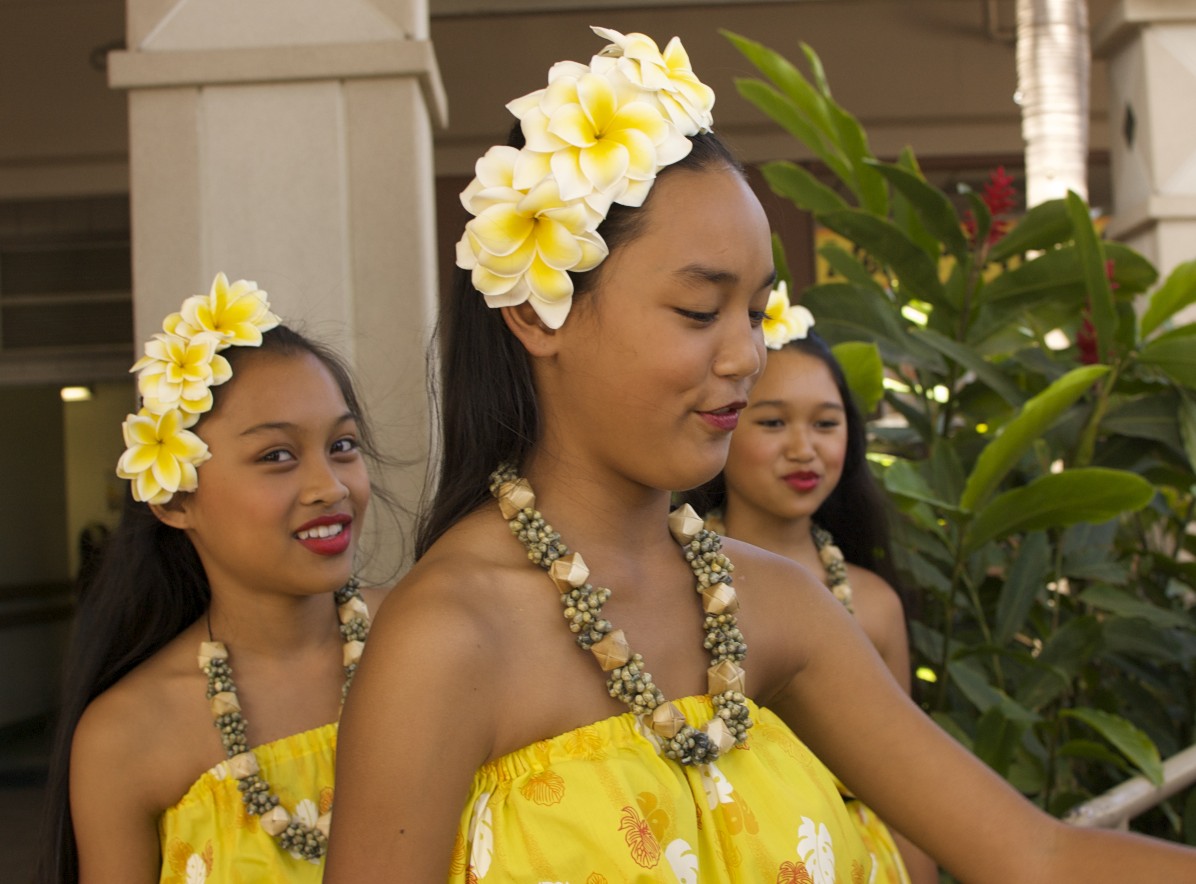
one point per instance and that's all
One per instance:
(887, 862)
(208, 836)
(600, 805)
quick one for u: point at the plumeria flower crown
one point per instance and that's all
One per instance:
(175, 379)
(784, 322)
(595, 136)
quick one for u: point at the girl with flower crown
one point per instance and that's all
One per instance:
(249, 491)
(797, 483)
(671, 728)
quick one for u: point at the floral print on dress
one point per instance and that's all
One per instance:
(188, 866)
(683, 861)
(817, 851)
(481, 837)
(628, 814)
(645, 849)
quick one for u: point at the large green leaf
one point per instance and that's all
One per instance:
(1092, 266)
(932, 206)
(1051, 270)
(1132, 273)
(903, 479)
(1152, 416)
(801, 188)
(1026, 577)
(787, 78)
(849, 266)
(1092, 494)
(1044, 226)
(781, 262)
(885, 242)
(1065, 654)
(997, 738)
(967, 357)
(864, 371)
(1138, 748)
(1018, 435)
(1187, 427)
(1118, 601)
(1175, 356)
(786, 114)
(1176, 292)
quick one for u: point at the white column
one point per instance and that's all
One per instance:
(290, 142)
(1150, 49)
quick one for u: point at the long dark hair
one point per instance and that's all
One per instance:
(856, 512)
(148, 588)
(486, 405)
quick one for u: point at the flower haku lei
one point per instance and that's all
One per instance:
(237, 314)
(522, 245)
(668, 77)
(597, 134)
(161, 456)
(175, 378)
(784, 322)
(178, 372)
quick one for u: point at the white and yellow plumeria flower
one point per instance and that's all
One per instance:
(666, 76)
(522, 248)
(237, 314)
(596, 137)
(178, 372)
(784, 322)
(161, 455)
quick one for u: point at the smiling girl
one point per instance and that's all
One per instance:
(597, 356)
(797, 483)
(249, 486)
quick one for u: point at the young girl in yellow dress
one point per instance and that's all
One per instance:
(212, 650)
(797, 483)
(571, 684)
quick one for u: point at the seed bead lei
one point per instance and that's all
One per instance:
(628, 680)
(295, 836)
(832, 562)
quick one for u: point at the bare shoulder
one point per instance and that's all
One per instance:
(873, 591)
(136, 750)
(782, 606)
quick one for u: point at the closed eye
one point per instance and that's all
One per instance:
(698, 316)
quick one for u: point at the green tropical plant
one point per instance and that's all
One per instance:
(1045, 491)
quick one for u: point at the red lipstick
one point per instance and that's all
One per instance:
(725, 418)
(326, 535)
(804, 480)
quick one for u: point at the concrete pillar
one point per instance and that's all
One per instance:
(1150, 49)
(290, 142)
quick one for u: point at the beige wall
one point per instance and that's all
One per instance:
(915, 71)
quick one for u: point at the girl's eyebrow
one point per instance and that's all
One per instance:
(288, 425)
(700, 273)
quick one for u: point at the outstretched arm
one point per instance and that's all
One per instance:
(931, 788)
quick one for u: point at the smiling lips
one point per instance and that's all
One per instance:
(803, 481)
(725, 418)
(327, 535)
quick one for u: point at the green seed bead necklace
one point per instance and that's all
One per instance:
(293, 835)
(628, 680)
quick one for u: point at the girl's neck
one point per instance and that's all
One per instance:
(598, 510)
(274, 625)
(788, 537)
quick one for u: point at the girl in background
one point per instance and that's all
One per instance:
(213, 649)
(797, 483)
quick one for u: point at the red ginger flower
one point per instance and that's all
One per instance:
(999, 198)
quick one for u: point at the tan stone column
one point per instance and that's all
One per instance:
(290, 142)
(1150, 49)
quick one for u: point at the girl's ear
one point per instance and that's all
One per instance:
(173, 512)
(525, 324)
